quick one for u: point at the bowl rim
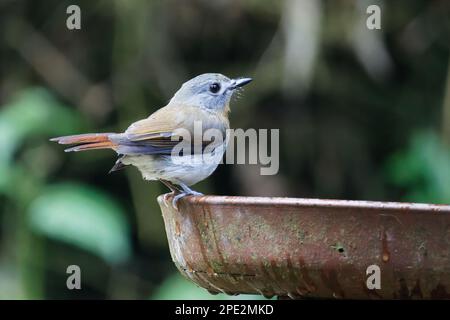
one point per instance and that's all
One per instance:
(310, 202)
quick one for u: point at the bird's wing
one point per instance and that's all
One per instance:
(163, 130)
(160, 124)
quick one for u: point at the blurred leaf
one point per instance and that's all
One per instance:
(34, 111)
(423, 169)
(82, 216)
(176, 287)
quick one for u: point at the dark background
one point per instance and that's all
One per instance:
(363, 114)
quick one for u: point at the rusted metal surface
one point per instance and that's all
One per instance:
(310, 248)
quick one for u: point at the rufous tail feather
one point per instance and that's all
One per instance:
(89, 141)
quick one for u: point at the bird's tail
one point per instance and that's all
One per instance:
(88, 141)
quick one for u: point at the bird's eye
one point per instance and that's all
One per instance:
(214, 87)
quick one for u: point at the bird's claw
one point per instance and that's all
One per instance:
(182, 195)
(195, 193)
(165, 200)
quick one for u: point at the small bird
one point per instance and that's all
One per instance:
(148, 144)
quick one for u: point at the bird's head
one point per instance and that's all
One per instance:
(211, 91)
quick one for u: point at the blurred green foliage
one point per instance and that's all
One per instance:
(423, 169)
(34, 112)
(178, 287)
(82, 216)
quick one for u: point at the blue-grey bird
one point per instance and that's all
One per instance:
(148, 144)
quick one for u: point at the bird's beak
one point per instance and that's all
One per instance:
(237, 83)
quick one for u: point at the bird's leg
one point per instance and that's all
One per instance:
(186, 192)
(189, 191)
(170, 185)
(172, 188)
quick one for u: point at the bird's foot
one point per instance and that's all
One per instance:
(166, 196)
(176, 198)
(172, 188)
(195, 193)
(182, 195)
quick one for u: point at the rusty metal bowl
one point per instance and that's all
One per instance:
(309, 247)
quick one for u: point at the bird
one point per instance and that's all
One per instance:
(152, 144)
